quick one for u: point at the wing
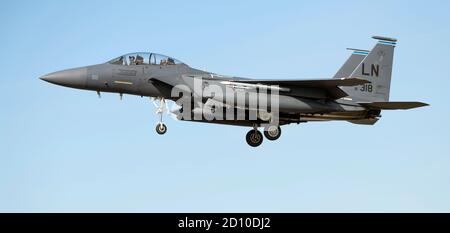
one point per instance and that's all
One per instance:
(330, 87)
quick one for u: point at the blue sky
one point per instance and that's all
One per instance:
(65, 150)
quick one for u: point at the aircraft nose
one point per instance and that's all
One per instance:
(75, 78)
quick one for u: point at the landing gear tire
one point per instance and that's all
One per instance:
(254, 138)
(272, 132)
(161, 128)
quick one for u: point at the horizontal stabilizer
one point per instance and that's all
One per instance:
(393, 105)
(370, 121)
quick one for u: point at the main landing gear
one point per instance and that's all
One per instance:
(161, 128)
(255, 138)
(272, 132)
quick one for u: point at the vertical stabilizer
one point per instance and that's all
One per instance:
(376, 67)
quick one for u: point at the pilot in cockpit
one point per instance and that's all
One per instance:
(170, 61)
(139, 60)
(132, 61)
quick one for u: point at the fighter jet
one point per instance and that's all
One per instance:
(357, 93)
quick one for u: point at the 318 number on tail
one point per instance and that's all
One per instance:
(366, 88)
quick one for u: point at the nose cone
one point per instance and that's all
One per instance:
(75, 78)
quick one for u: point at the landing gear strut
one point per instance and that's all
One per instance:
(161, 128)
(254, 137)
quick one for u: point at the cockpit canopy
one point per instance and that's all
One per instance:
(144, 59)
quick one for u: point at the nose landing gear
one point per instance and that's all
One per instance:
(161, 128)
